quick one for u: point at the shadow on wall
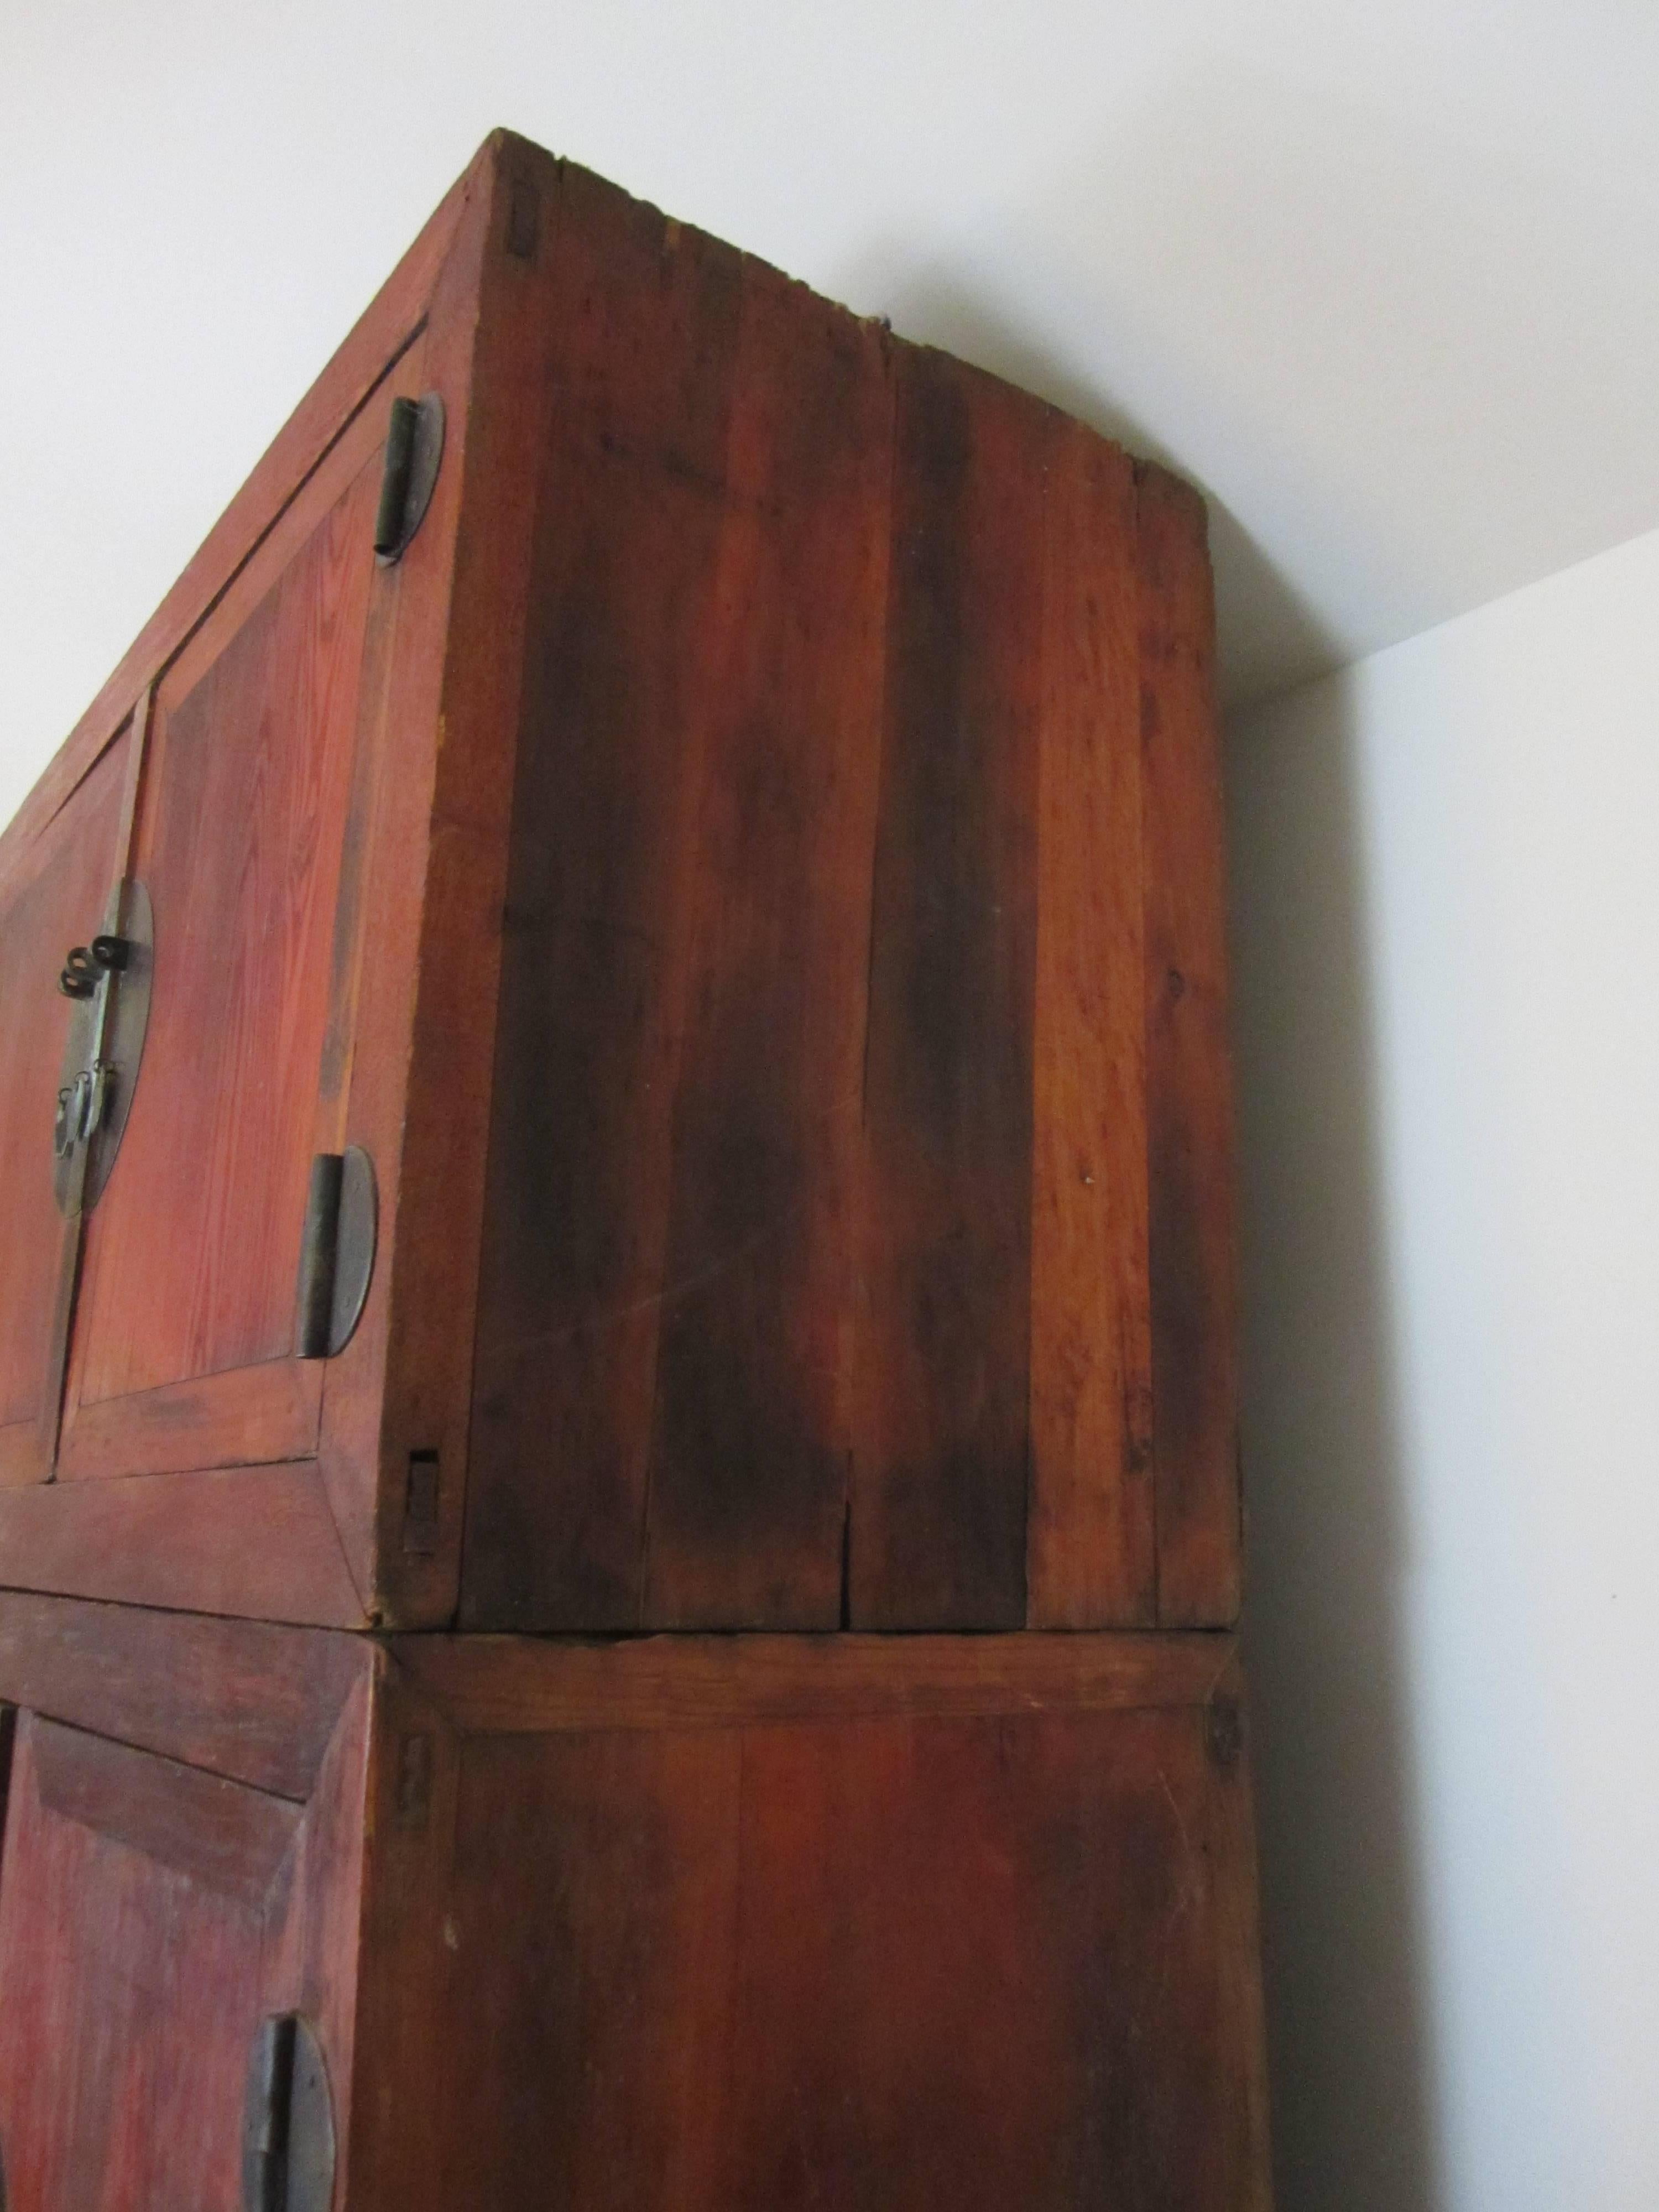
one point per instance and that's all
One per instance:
(1354, 2116)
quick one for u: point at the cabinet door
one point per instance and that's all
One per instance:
(183, 1354)
(51, 897)
(176, 1938)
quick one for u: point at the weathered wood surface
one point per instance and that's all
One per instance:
(936, 1950)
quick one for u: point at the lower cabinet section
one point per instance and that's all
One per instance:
(292, 1921)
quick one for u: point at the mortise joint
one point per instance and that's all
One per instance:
(421, 1504)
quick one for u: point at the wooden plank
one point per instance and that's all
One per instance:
(423, 1055)
(380, 333)
(255, 1703)
(241, 1417)
(258, 1540)
(748, 1482)
(938, 1536)
(221, 1834)
(1191, 1202)
(518, 1684)
(631, 506)
(1092, 1538)
(645, 1868)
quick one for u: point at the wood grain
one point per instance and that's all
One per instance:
(1188, 1077)
(151, 1915)
(256, 1704)
(941, 1426)
(751, 1435)
(258, 1540)
(509, 1684)
(432, 853)
(936, 1959)
(241, 1416)
(1093, 1535)
(596, 955)
(220, 1835)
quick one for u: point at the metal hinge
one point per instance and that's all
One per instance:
(414, 451)
(337, 1252)
(287, 2124)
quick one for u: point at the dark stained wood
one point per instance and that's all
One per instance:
(596, 955)
(749, 1467)
(256, 1704)
(507, 1684)
(929, 1959)
(51, 897)
(259, 1541)
(940, 1452)
(1189, 1079)
(1093, 1535)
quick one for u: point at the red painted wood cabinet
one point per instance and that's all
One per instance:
(746, 878)
(614, 1028)
(717, 1925)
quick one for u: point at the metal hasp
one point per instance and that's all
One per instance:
(337, 1252)
(414, 452)
(110, 982)
(288, 2124)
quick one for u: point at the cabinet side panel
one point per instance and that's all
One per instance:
(954, 1962)
(623, 598)
(748, 1480)
(1188, 1077)
(937, 1533)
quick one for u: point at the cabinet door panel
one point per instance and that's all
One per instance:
(52, 899)
(185, 1331)
(153, 1915)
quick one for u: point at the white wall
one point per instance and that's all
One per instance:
(1384, 280)
(1446, 889)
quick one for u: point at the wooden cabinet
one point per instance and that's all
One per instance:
(644, 1055)
(747, 879)
(705, 1923)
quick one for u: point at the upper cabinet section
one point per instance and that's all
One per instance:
(685, 1062)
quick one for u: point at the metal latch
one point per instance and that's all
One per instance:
(337, 1252)
(414, 451)
(109, 981)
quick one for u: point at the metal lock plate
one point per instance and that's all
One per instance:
(103, 1051)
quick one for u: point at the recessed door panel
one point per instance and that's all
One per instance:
(176, 1925)
(52, 899)
(184, 1328)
